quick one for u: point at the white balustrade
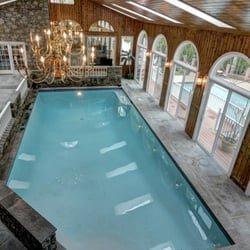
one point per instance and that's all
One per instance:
(5, 118)
(88, 71)
(22, 89)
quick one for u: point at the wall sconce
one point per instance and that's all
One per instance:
(168, 64)
(148, 54)
(201, 81)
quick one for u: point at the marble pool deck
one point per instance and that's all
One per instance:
(229, 204)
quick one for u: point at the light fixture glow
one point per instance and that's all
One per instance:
(132, 12)
(118, 11)
(153, 12)
(198, 13)
(6, 2)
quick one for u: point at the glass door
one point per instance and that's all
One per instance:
(140, 69)
(212, 117)
(175, 90)
(232, 127)
(181, 92)
(225, 117)
(156, 76)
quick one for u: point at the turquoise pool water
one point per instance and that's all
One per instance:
(90, 164)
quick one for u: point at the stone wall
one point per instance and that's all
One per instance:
(17, 19)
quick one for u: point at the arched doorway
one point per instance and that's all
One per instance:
(157, 67)
(225, 115)
(140, 62)
(182, 80)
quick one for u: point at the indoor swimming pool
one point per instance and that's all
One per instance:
(89, 163)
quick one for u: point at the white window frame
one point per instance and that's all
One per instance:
(164, 56)
(12, 65)
(179, 63)
(138, 46)
(213, 79)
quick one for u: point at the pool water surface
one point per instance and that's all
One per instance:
(90, 164)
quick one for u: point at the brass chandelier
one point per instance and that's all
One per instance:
(53, 52)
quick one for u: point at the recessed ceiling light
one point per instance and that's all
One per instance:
(118, 11)
(198, 13)
(153, 12)
(6, 2)
(132, 12)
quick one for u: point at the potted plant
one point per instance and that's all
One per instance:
(127, 58)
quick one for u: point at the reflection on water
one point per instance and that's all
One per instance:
(122, 170)
(131, 205)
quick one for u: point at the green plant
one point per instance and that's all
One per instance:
(127, 59)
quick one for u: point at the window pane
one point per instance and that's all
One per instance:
(236, 71)
(233, 124)
(212, 116)
(175, 90)
(4, 58)
(188, 55)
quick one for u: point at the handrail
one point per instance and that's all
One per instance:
(5, 117)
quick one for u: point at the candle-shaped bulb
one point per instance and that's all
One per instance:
(83, 48)
(93, 49)
(65, 59)
(64, 35)
(42, 59)
(49, 32)
(84, 59)
(21, 50)
(37, 38)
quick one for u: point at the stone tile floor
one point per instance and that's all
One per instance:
(230, 205)
(8, 85)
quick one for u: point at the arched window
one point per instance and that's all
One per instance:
(182, 80)
(225, 115)
(103, 43)
(141, 50)
(76, 57)
(157, 67)
(101, 26)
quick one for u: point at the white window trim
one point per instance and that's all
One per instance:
(139, 45)
(212, 79)
(185, 66)
(9, 44)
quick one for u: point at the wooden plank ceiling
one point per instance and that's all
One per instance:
(233, 12)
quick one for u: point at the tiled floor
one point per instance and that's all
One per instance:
(226, 200)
